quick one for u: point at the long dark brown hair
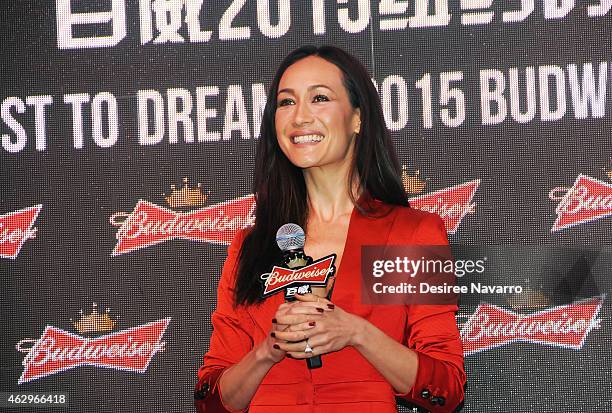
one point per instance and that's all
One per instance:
(279, 187)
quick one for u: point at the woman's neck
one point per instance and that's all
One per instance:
(328, 193)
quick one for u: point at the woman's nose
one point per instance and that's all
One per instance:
(302, 114)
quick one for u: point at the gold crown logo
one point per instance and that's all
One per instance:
(528, 299)
(186, 196)
(413, 184)
(94, 322)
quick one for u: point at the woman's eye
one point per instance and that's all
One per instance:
(317, 98)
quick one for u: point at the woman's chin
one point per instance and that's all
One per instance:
(304, 162)
(306, 165)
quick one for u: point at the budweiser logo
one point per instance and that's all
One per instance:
(564, 326)
(587, 200)
(151, 224)
(15, 229)
(316, 273)
(58, 350)
(451, 204)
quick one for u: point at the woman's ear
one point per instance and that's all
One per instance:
(357, 120)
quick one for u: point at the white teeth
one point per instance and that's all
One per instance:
(307, 138)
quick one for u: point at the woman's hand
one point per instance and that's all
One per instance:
(269, 349)
(287, 315)
(317, 322)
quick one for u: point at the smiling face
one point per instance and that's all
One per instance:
(315, 121)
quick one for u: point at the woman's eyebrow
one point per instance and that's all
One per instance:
(289, 90)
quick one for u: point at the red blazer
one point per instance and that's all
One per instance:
(347, 381)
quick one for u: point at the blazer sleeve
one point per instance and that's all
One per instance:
(432, 332)
(231, 339)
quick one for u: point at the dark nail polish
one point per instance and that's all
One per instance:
(331, 306)
(272, 334)
(312, 324)
(274, 320)
(320, 310)
(289, 356)
(276, 346)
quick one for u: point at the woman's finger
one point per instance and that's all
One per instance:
(307, 308)
(309, 297)
(299, 335)
(279, 327)
(309, 325)
(317, 350)
(291, 319)
(294, 347)
(306, 300)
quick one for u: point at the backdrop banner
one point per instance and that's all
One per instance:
(127, 138)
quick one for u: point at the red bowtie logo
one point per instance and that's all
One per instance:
(58, 350)
(15, 229)
(452, 204)
(587, 200)
(316, 273)
(564, 326)
(151, 224)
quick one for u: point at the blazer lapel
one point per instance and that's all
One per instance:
(363, 230)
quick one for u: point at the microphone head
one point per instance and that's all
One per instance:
(290, 237)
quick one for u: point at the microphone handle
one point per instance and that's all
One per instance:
(314, 362)
(296, 259)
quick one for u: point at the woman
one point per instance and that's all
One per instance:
(326, 162)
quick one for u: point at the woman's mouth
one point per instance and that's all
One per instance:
(307, 139)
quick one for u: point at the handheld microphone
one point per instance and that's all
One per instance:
(291, 239)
